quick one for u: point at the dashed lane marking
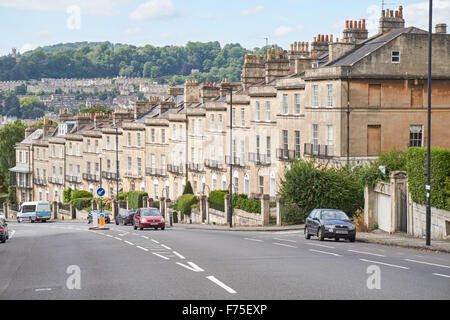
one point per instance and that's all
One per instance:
(441, 275)
(130, 243)
(155, 241)
(256, 240)
(324, 252)
(161, 256)
(384, 264)
(118, 238)
(293, 241)
(284, 245)
(369, 253)
(221, 284)
(320, 245)
(428, 263)
(142, 248)
(192, 266)
(178, 255)
(166, 247)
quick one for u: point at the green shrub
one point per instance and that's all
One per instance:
(3, 199)
(135, 199)
(67, 195)
(440, 173)
(82, 203)
(11, 195)
(155, 204)
(217, 199)
(186, 202)
(80, 194)
(291, 214)
(123, 196)
(241, 201)
(393, 161)
(370, 176)
(188, 188)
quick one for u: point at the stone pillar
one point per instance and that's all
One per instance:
(370, 207)
(126, 199)
(73, 211)
(55, 210)
(162, 207)
(8, 208)
(167, 204)
(93, 205)
(207, 210)
(265, 209)
(115, 208)
(227, 205)
(399, 210)
(203, 212)
(5, 210)
(144, 202)
(279, 211)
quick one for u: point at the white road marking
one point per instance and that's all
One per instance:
(441, 275)
(178, 255)
(155, 241)
(142, 248)
(13, 232)
(130, 243)
(164, 246)
(192, 266)
(134, 234)
(144, 237)
(257, 240)
(372, 254)
(320, 245)
(43, 289)
(284, 245)
(330, 253)
(221, 284)
(285, 240)
(431, 264)
(118, 238)
(156, 254)
(108, 235)
(385, 264)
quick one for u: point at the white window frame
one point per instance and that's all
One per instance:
(315, 96)
(297, 105)
(330, 95)
(395, 54)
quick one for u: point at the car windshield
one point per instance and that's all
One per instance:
(334, 215)
(150, 213)
(31, 208)
(127, 213)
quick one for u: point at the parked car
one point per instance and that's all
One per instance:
(34, 212)
(330, 223)
(4, 232)
(125, 217)
(146, 218)
(107, 217)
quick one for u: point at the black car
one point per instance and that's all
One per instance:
(107, 217)
(4, 232)
(125, 217)
(330, 223)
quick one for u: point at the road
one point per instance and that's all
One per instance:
(209, 265)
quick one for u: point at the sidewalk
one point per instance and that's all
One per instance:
(227, 228)
(402, 240)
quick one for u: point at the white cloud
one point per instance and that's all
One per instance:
(132, 31)
(28, 47)
(44, 35)
(417, 14)
(154, 10)
(251, 11)
(283, 31)
(90, 7)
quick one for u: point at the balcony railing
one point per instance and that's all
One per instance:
(73, 179)
(133, 175)
(110, 176)
(91, 177)
(239, 162)
(286, 155)
(21, 184)
(319, 151)
(155, 172)
(55, 180)
(259, 159)
(213, 164)
(195, 167)
(175, 169)
(40, 181)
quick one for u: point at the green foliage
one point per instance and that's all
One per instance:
(292, 214)
(3, 199)
(10, 134)
(82, 203)
(97, 108)
(67, 195)
(370, 176)
(11, 195)
(155, 204)
(31, 108)
(123, 196)
(440, 173)
(78, 194)
(393, 161)
(241, 201)
(135, 199)
(217, 200)
(20, 90)
(186, 202)
(311, 186)
(188, 188)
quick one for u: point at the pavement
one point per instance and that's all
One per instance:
(41, 260)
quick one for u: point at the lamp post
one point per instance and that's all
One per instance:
(117, 174)
(231, 157)
(348, 116)
(428, 187)
(100, 157)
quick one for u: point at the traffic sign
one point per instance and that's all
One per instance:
(101, 192)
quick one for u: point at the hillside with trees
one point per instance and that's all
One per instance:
(169, 64)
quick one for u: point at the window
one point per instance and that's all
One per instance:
(139, 166)
(242, 151)
(138, 138)
(108, 165)
(78, 171)
(330, 140)
(70, 149)
(268, 147)
(96, 146)
(211, 123)
(285, 104)
(416, 136)
(258, 111)
(88, 146)
(242, 117)
(395, 57)
(297, 144)
(54, 171)
(180, 132)
(329, 95)
(70, 170)
(174, 131)
(315, 96)
(315, 138)
(163, 165)
(297, 104)
(37, 153)
(261, 184)
(77, 149)
(88, 168)
(267, 110)
(108, 142)
(192, 155)
(285, 140)
(129, 164)
(53, 152)
(163, 135)
(219, 125)
(153, 135)
(233, 116)
(257, 145)
(129, 139)
(43, 154)
(20, 157)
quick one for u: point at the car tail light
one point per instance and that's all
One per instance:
(128, 217)
(1, 229)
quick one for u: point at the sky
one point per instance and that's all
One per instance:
(27, 24)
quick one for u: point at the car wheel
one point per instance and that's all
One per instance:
(18, 220)
(135, 227)
(140, 227)
(3, 240)
(163, 228)
(336, 239)
(307, 235)
(320, 234)
(353, 239)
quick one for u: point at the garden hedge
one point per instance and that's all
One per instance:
(135, 199)
(80, 194)
(82, 203)
(186, 202)
(217, 199)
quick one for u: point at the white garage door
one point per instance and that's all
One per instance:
(384, 212)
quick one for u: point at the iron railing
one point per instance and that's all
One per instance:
(286, 155)
(317, 150)
(155, 172)
(259, 159)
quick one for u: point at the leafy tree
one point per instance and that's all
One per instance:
(188, 188)
(12, 106)
(10, 134)
(22, 89)
(32, 108)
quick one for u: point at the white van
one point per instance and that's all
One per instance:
(34, 211)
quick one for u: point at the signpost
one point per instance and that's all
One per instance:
(98, 219)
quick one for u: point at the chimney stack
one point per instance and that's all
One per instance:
(441, 28)
(356, 32)
(391, 20)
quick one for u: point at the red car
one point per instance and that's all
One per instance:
(147, 218)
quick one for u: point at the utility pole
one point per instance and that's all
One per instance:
(117, 173)
(428, 187)
(231, 157)
(348, 116)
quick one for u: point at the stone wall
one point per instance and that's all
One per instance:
(217, 217)
(440, 222)
(242, 218)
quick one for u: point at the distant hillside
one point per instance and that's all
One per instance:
(169, 64)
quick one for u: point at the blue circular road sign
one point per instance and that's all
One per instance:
(101, 192)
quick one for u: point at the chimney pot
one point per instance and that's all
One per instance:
(364, 24)
(351, 24)
(346, 24)
(359, 25)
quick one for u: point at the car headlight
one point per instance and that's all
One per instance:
(144, 220)
(351, 227)
(330, 226)
(162, 220)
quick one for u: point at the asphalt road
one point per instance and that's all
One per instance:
(199, 264)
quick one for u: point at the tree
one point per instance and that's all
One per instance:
(188, 189)
(32, 108)
(10, 134)
(22, 89)
(12, 106)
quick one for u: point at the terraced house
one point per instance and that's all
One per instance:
(335, 100)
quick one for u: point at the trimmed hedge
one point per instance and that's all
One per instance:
(217, 199)
(67, 195)
(241, 201)
(440, 173)
(393, 161)
(80, 194)
(188, 188)
(185, 203)
(135, 199)
(82, 203)
(291, 215)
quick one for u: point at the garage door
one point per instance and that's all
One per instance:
(384, 212)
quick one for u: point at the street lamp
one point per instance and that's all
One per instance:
(231, 157)
(100, 157)
(428, 187)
